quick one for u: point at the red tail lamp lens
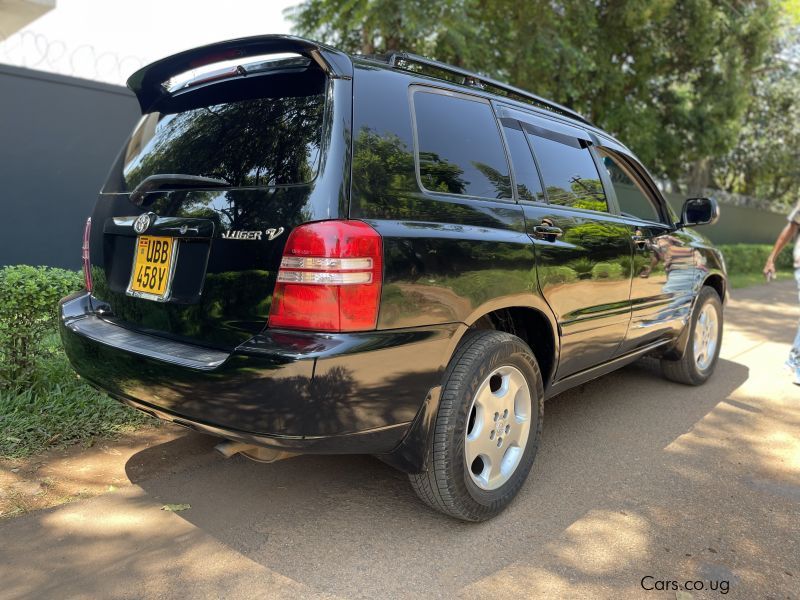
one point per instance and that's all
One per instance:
(330, 278)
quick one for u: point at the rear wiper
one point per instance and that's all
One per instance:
(173, 181)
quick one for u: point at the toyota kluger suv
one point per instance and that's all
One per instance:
(302, 251)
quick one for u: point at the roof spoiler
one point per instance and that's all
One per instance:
(147, 82)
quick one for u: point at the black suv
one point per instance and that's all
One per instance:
(302, 251)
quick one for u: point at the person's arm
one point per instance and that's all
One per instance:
(784, 238)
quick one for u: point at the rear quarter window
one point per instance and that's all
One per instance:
(459, 149)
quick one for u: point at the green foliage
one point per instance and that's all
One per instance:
(583, 267)
(587, 194)
(552, 275)
(386, 183)
(55, 407)
(482, 286)
(670, 77)
(765, 162)
(745, 280)
(598, 205)
(750, 258)
(205, 141)
(595, 235)
(440, 175)
(446, 29)
(42, 400)
(28, 300)
(792, 10)
(385, 167)
(638, 264)
(606, 271)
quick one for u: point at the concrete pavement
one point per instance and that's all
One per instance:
(637, 478)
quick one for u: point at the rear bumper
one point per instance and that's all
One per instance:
(304, 392)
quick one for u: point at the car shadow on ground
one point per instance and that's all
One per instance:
(319, 519)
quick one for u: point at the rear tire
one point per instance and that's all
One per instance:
(487, 428)
(705, 338)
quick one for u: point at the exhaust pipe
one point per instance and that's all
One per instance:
(229, 448)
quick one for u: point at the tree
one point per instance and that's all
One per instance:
(445, 29)
(670, 77)
(765, 162)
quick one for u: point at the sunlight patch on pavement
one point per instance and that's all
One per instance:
(785, 447)
(104, 524)
(126, 534)
(598, 544)
(603, 540)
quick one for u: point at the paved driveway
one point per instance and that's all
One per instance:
(637, 477)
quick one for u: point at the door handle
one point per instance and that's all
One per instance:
(547, 232)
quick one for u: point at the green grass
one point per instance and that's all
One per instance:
(57, 408)
(745, 280)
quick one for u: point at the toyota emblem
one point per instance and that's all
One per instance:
(142, 222)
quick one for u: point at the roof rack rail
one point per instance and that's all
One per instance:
(469, 78)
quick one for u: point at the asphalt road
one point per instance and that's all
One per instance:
(636, 477)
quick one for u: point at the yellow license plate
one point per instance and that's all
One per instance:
(151, 265)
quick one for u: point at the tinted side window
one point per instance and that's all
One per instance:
(633, 201)
(459, 147)
(529, 186)
(569, 173)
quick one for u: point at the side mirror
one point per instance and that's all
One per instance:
(699, 211)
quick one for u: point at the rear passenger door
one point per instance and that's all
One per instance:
(663, 263)
(583, 251)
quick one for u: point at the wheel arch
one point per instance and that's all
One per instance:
(718, 283)
(534, 323)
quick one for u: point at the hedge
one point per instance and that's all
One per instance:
(28, 299)
(750, 258)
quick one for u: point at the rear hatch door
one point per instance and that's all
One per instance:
(188, 233)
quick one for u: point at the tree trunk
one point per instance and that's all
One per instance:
(393, 38)
(699, 176)
(367, 41)
(749, 183)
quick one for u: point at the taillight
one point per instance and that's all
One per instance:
(330, 278)
(87, 264)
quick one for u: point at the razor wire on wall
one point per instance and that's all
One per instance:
(35, 51)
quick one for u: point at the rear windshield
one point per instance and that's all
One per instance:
(234, 134)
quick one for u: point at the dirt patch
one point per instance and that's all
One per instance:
(60, 476)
